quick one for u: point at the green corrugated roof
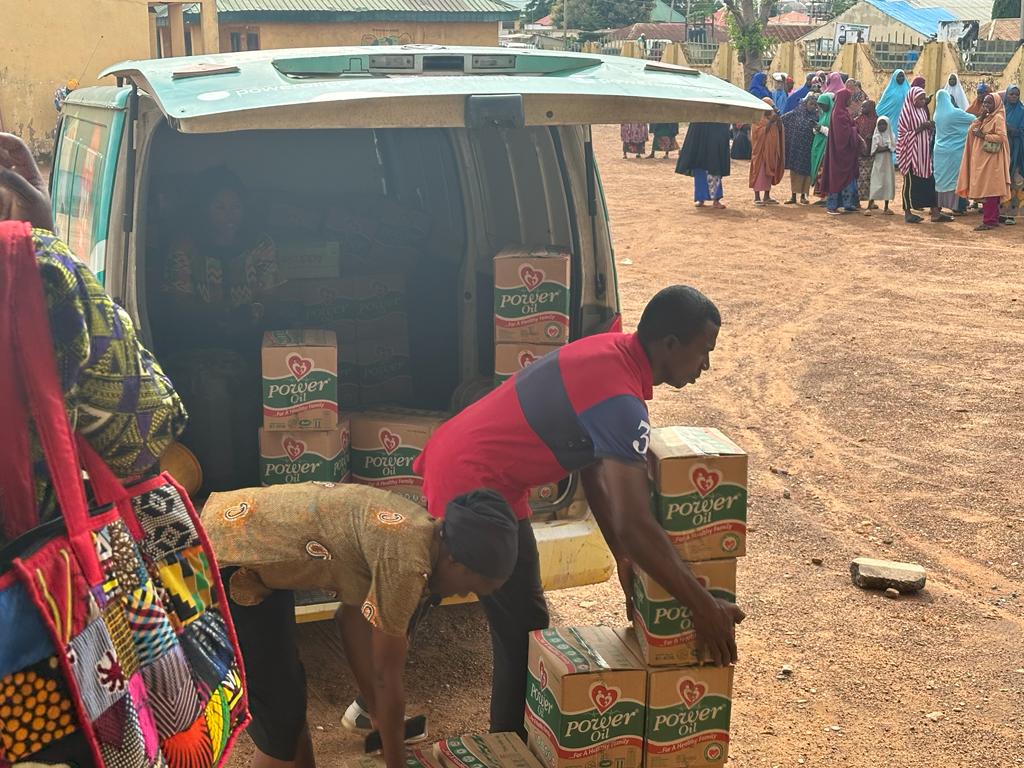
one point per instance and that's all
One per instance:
(345, 10)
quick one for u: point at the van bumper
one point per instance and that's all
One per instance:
(572, 554)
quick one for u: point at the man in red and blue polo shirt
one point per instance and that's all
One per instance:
(580, 408)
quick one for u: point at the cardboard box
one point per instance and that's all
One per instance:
(385, 444)
(511, 358)
(664, 626)
(384, 370)
(486, 750)
(546, 493)
(585, 697)
(689, 710)
(300, 380)
(700, 491)
(323, 303)
(415, 757)
(301, 456)
(531, 295)
(303, 259)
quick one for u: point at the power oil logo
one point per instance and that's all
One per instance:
(689, 716)
(714, 509)
(664, 625)
(577, 710)
(292, 462)
(531, 295)
(533, 300)
(300, 380)
(700, 491)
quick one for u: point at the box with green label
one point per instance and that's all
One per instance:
(700, 491)
(689, 712)
(585, 696)
(664, 626)
(304, 455)
(531, 294)
(485, 750)
(386, 443)
(300, 380)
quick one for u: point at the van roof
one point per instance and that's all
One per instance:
(425, 86)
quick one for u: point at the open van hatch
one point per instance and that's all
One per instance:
(360, 87)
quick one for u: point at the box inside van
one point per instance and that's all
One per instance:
(365, 192)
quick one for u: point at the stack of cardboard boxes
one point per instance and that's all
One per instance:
(627, 699)
(531, 315)
(302, 438)
(531, 306)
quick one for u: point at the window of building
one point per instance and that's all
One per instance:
(252, 41)
(236, 41)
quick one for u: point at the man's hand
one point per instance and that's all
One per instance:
(23, 194)
(715, 624)
(625, 569)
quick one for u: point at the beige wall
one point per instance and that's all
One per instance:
(298, 35)
(45, 43)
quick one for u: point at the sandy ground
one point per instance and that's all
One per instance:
(879, 365)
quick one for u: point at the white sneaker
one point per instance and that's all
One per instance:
(356, 719)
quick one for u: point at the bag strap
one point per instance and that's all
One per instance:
(106, 487)
(29, 364)
(18, 511)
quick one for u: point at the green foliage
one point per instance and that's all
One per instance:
(1006, 9)
(699, 10)
(749, 38)
(536, 9)
(842, 6)
(602, 14)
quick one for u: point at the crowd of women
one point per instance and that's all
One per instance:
(846, 149)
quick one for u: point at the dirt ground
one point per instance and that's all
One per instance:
(876, 363)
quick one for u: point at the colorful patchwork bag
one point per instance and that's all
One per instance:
(116, 646)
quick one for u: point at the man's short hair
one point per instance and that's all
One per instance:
(679, 311)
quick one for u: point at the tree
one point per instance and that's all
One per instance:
(535, 10)
(696, 11)
(602, 14)
(747, 22)
(1006, 9)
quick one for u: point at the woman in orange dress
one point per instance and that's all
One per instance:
(985, 169)
(768, 156)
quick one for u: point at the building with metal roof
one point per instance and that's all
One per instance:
(896, 22)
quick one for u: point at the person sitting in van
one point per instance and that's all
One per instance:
(208, 322)
(217, 272)
(386, 559)
(115, 393)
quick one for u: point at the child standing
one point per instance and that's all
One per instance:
(883, 175)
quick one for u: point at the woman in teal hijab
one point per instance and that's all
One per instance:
(951, 125)
(821, 134)
(891, 103)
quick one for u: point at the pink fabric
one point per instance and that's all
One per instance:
(137, 689)
(762, 183)
(990, 211)
(834, 84)
(633, 133)
(914, 149)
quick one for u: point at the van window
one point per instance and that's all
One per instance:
(81, 212)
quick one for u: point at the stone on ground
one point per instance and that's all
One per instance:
(868, 573)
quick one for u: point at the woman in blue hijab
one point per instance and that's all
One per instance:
(757, 86)
(891, 103)
(951, 125)
(1015, 133)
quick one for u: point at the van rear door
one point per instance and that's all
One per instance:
(429, 87)
(85, 162)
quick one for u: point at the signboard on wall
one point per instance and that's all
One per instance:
(851, 33)
(963, 34)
